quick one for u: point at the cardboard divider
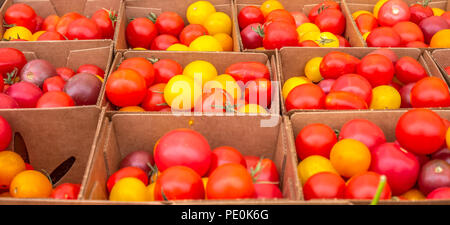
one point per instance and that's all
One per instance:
(440, 59)
(139, 8)
(221, 60)
(386, 120)
(292, 62)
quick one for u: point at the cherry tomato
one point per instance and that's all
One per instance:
(324, 185)
(249, 15)
(50, 22)
(230, 181)
(191, 32)
(420, 12)
(21, 14)
(430, 92)
(365, 185)
(364, 131)
(140, 33)
(409, 70)
(55, 83)
(54, 99)
(259, 91)
(305, 96)
(169, 23)
(383, 37)
(355, 84)
(83, 29)
(125, 87)
(250, 37)
(267, 191)
(223, 155)
(392, 12)
(279, 34)
(154, 100)
(179, 183)
(280, 15)
(377, 69)
(66, 191)
(141, 65)
(335, 64)
(92, 69)
(331, 20)
(366, 23)
(65, 73)
(105, 21)
(246, 71)
(65, 20)
(317, 9)
(51, 36)
(166, 69)
(344, 100)
(163, 41)
(315, 139)
(408, 32)
(126, 172)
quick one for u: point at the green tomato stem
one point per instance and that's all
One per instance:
(379, 190)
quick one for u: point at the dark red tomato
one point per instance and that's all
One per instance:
(308, 43)
(432, 25)
(126, 172)
(343, 42)
(65, 73)
(83, 29)
(53, 99)
(163, 41)
(443, 153)
(331, 20)
(344, 100)
(434, 174)
(383, 37)
(169, 23)
(416, 44)
(25, 93)
(223, 155)
(315, 139)
(300, 18)
(11, 58)
(5, 134)
(21, 14)
(50, 22)
(259, 91)
(154, 100)
(216, 100)
(250, 37)
(280, 15)
(262, 169)
(92, 69)
(326, 85)
(66, 191)
(440, 193)
(366, 23)
(65, 20)
(230, 181)
(446, 16)
(408, 70)
(393, 12)
(179, 183)
(249, 15)
(126, 87)
(420, 12)
(55, 83)
(191, 32)
(306, 96)
(377, 69)
(279, 34)
(324, 185)
(105, 20)
(430, 92)
(355, 84)
(364, 131)
(420, 131)
(39, 22)
(335, 64)
(267, 191)
(51, 36)
(166, 69)
(140, 33)
(365, 185)
(386, 52)
(317, 9)
(141, 65)
(408, 32)
(405, 93)
(246, 71)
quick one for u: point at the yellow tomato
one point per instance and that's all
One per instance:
(201, 71)
(129, 189)
(377, 7)
(350, 157)
(385, 97)
(182, 92)
(224, 82)
(252, 108)
(360, 12)
(328, 40)
(178, 47)
(17, 32)
(139, 48)
(132, 109)
(205, 182)
(365, 35)
(226, 41)
(312, 69)
(293, 82)
(311, 36)
(199, 11)
(306, 28)
(437, 11)
(269, 6)
(36, 35)
(447, 138)
(218, 22)
(151, 191)
(441, 39)
(312, 165)
(205, 43)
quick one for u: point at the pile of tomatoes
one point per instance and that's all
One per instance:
(394, 23)
(37, 84)
(349, 165)
(139, 85)
(18, 179)
(24, 24)
(208, 30)
(183, 167)
(380, 80)
(271, 26)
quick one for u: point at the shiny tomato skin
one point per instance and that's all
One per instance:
(21, 14)
(230, 181)
(53, 99)
(249, 15)
(315, 139)
(55, 83)
(140, 33)
(191, 32)
(169, 23)
(409, 70)
(326, 85)
(50, 22)
(66, 191)
(306, 96)
(408, 32)
(280, 15)
(92, 69)
(365, 185)
(324, 185)
(247, 71)
(420, 12)
(104, 20)
(217, 100)
(344, 100)
(364, 131)
(126, 172)
(125, 87)
(377, 69)
(355, 84)
(279, 34)
(83, 29)
(392, 12)
(440, 193)
(331, 20)
(327, 4)
(154, 100)
(223, 155)
(250, 38)
(65, 20)
(430, 92)
(11, 58)
(141, 65)
(179, 183)
(166, 69)
(383, 37)
(416, 44)
(51, 36)
(366, 23)
(163, 41)
(335, 64)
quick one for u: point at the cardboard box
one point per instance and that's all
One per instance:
(139, 8)
(45, 8)
(292, 61)
(440, 60)
(221, 60)
(386, 120)
(351, 31)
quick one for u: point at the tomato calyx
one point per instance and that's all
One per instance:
(337, 132)
(380, 188)
(11, 77)
(8, 25)
(324, 40)
(259, 30)
(112, 15)
(322, 8)
(425, 3)
(152, 16)
(153, 170)
(153, 60)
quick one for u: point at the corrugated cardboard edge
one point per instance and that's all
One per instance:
(435, 58)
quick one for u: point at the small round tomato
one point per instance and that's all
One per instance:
(306, 96)
(179, 183)
(420, 12)
(141, 65)
(331, 20)
(83, 29)
(66, 191)
(364, 131)
(163, 41)
(192, 32)
(92, 69)
(126, 172)
(166, 69)
(430, 92)
(409, 70)
(54, 99)
(317, 9)
(366, 23)
(65, 73)
(335, 64)
(280, 15)
(154, 100)
(446, 16)
(249, 15)
(377, 69)
(51, 36)
(230, 181)
(50, 22)
(21, 14)
(140, 33)
(169, 23)
(324, 185)
(55, 83)
(279, 34)
(250, 37)
(315, 139)
(65, 20)
(105, 21)
(125, 87)
(355, 84)
(408, 32)
(392, 12)
(384, 37)
(223, 155)
(365, 185)
(344, 100)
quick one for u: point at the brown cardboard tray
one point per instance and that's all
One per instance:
(441, 59)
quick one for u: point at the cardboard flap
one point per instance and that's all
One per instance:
(96, 56)
(135, 12)
(62, 6)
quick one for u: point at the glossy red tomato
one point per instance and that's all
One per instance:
(267, 191)
(125, 87)
(308, 43)
(179, 183)
(335, 64)
(154, 100)
(140, 33)
(126, 172)
(92, 69)
(65, 20)
(25, 93)
(420, 131)
(55, 83)
(331, 20)
(223, 155)
(54, 99)
(343, 42)
(383, 37)
(230, 181)
(141, 65)
(191, 32)
(366, 22)
(249, 15)
(392, 12)
(317, 9)
(66, 191)
(344, 100)
(364, 131)
(355, 84)
(51, 36)
(169, 23)
(166, 69)
(105, 21)
(409, 70)
(279, 34)
(50, 22)
(250, 37)
(315, 139)
(280, 15)
(365, 185)
(267, 169)
(420, 12)
(21, 14)
(215, 100)
(11, 58)
(377, 69)
(324, 185)
(306, 96)
(65, 73)
(259, 91)
(5, 133)
(430, 92)
(246, 71)
(405, 93)
(408, 32)
(83, 29)
(300, 18)
(440, 193)
(163, 41)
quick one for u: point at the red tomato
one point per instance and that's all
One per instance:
(447, 69)
(179, 183)
(416, 44)
(65, 73)
(366, 22)
(430, 92)
(408, 70)
(39, 22)
(279, 34)
(259, 91)
(306, 96)
(383, 37)
(125, 87)
(126, 172)
(446, 16)
(55, 83)
(335, 64)
(183, 147)
(230, 181)
(105, 21)
(365, 185)
(364, 131)
(300, 18)
(267, 191)
(163, 41)
(154, 100)
(420, 12)
(217, 100)
(408, 32)
(191, 32)
(25, 93)
(50, 22)
(92, 69)
(169, 23)
(83, 29)
(324, 185)
(51, 36)
(326, 85)
(344, 100)
(392, 12)
(21, 14)
(250, 37)
(5, 134)
(140, 33)
(386, 52)
(343, 42)
(66, 191)
(308, 43)
(280, 15)
(246, 71)
(331, 20)
(440, 193)
(405, 93)
(54, 99)
(141, 65)
(11, 58)
(355, 84)
(377, 69)
(315, 139)
(267, 169)
(65, 20)
(223, 155)
(249, 15)
(420, 131)
(317, 9)
(166, 69)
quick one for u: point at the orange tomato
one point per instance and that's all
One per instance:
(441, 39)
(132, 109)
(30, 184)
(350, 157)
(413, 195)
(10, 165)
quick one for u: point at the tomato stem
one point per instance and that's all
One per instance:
(153, 60)
(259, 30)
(152, 16)
(379, 190)
(254, 172)
(11, 77)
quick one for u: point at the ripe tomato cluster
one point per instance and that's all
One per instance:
(139, 85)
(394, 23)
(208, 30)
(18, 179)
(183, 167)
(349, 165)
(379, 80)
(272, 27)
(37, 84)
(26, 25)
